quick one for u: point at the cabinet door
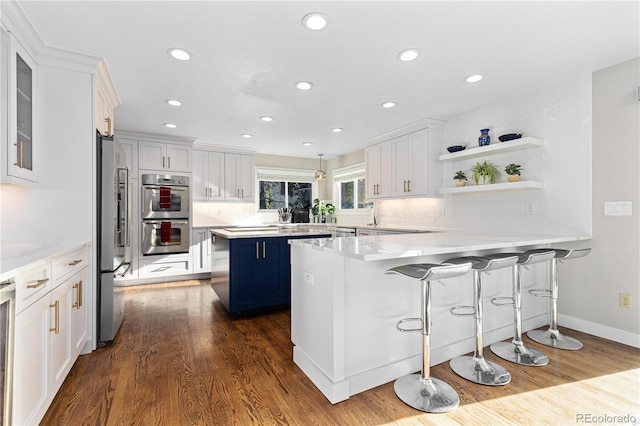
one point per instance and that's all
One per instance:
(231, 174)
(104, 113)
(216, 176)
(244, 274)
(401, 180)
(60, 356)
(200, 248)
(275, 272)
(130, 148)
(31, 351)
(378, 171)
(79, 287)
(22, 114)
(178, 158)
(247, 177)
(200, 176)
(152, 155)
(418, 163)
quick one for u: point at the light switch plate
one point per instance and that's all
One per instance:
(618, 208)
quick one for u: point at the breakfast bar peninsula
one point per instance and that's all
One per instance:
(344, 308)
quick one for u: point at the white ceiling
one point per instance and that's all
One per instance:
(248, 55)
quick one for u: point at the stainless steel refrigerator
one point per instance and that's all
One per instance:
(113, 234)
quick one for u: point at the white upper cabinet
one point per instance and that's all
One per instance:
(406, 165)
(164, 156)
(106, 100)
(208, 175)
(239, 177)
(22, 113)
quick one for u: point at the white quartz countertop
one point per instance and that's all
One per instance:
(268, 232)
(383, 247)
(15, 257)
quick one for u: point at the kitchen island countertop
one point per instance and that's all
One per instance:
(381, 247)
(268, 232)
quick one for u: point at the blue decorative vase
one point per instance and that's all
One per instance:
(484, 138)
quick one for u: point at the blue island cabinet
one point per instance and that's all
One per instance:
(259, 273)
(253, 273)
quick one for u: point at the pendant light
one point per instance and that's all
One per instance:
(320, 174)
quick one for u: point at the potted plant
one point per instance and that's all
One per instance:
(513, 172)
(460, 178)
(485, 172)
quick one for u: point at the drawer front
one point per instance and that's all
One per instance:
(68, 264)
(32, 284)
(163, 268)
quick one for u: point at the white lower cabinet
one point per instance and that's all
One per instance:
(201, 250)
(50, 333)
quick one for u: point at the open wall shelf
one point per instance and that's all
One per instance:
(494, 148)
(506, 186)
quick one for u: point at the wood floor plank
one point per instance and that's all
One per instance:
(181, 359)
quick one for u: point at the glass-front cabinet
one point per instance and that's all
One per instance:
(22, 73)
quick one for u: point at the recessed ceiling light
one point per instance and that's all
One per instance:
(473, 78)
(266, 118)
(388, 104)
(173, 102)
(408, 55)
(247, 135)
(304, 85)
(315, 21)
(170, 125)
(337, 129)
(179, 54)
(307, 143)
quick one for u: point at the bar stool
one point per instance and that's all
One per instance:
(476, 368)
(421, 391)
(516, 351)
(552, 337)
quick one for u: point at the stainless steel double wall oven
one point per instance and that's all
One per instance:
(165, 214)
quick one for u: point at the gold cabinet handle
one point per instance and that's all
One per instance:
(108, 121)
(78, 287)
(75, 262)
(38, 283)
(264, 249)
(257, 250)
(408, 186)
(20, 162)
(163, 161)
(168, 162)
(56, 328)
(404, 186)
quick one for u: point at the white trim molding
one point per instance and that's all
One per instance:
(604, 331)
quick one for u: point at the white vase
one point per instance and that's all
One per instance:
(484, 180)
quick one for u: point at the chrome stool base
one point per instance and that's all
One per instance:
(431, 395)
(519, 354)
(479, 370)
(555, 339)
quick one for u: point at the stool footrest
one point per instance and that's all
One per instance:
(408, 330)
(463, 311)
(503, 301)
(540, 292)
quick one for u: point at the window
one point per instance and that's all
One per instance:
(280, 188)
(350, 188)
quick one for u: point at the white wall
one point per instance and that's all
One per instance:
(59, 208)
(613, 266)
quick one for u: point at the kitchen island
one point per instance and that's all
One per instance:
(344, 308)
(251, 265)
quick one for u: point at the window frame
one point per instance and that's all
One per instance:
(351, 173)
(281, 174)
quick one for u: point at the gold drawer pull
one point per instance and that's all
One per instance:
(38, 283)
(20, 162)
(56, 328)
(75, 262)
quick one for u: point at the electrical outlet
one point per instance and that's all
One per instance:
(530, 208)
(308, 278)
(625, 300)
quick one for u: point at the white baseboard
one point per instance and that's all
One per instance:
(604, 331)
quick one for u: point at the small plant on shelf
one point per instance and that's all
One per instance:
(461, 178)
(485, 172)
(513, 172)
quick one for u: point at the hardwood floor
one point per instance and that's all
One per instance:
(180, 359)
